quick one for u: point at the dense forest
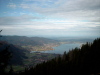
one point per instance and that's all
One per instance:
(78, 61)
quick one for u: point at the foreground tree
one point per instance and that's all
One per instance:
(5, 56)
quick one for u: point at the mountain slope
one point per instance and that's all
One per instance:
(79, 61)
(23, 40)
(31, 43)
(18, 54)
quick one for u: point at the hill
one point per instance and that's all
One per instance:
(20, 57)
(31, 43)
(23, 40)
(18, 53)
(79, 61)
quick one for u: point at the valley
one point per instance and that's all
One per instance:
(22, 49)
(45, 47)
(34, 59)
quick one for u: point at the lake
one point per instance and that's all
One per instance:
(62, 48)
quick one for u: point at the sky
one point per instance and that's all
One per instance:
(50, 17)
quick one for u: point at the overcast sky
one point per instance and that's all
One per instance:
(50, 17)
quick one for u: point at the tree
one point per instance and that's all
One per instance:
(0, 33)
(5, 56)
(11, 71)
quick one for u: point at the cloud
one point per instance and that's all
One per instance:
(63, 8)
(23, 19)
(25, 6)
(40, 0)
(97, 19)
(12, 5)
(54, 16)
(69, 9)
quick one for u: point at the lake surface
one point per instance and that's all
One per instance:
(62, 48)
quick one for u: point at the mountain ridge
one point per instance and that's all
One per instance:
(27, 40)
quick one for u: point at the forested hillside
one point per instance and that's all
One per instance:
(31, 43)
(17, 53)
(79, 61)
(14, 56)
(23, 40)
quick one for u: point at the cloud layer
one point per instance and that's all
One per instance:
(40, 16)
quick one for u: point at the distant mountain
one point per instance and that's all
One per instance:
(23, 40)
(16, 43)
(17, 53)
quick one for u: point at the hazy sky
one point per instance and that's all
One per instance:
(50, 17)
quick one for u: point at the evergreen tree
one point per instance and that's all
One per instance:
(11, 72)
(5, 56)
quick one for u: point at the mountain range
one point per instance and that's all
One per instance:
(23, 40)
